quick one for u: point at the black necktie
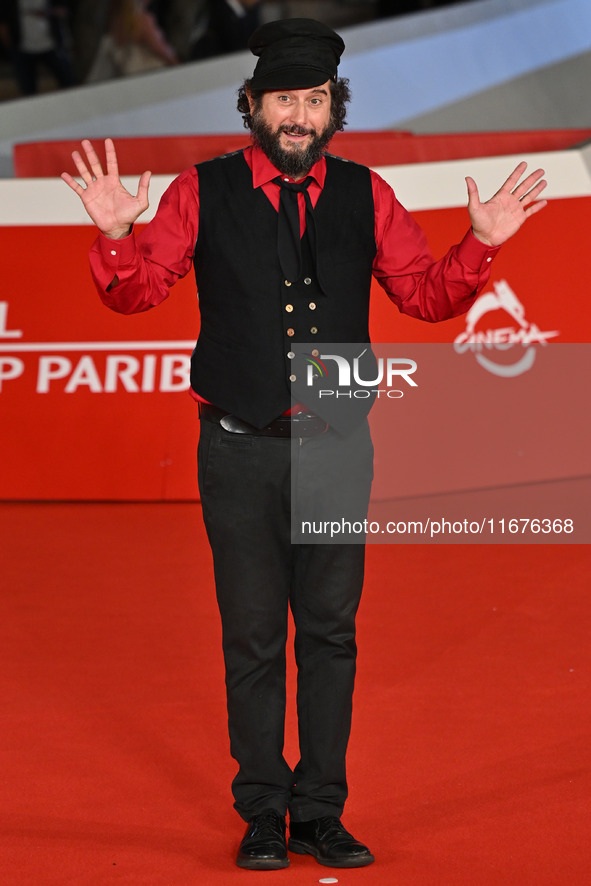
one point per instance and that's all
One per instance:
(289, 247)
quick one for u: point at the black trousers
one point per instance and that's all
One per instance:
(245, 482)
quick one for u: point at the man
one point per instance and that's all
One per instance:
(35, 31)
(284, 240)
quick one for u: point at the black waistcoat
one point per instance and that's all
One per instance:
(251, 316)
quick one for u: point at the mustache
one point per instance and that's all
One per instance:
(298, 130)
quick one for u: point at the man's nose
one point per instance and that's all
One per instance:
(299, 114)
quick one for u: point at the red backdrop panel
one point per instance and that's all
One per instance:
(170, 154)
(75, 429)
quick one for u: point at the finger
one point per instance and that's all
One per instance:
(533, 193)
(112, 164)
(142, 188)
(473, 195)
(527, 183)
(93, 160)
(535, 207)
(510, 183)
(69, 180)
(82, 168)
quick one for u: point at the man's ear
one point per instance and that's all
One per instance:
(250, 100)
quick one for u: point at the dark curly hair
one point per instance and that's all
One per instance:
(339, 92)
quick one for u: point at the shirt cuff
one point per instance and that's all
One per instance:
(115, 253)
(474, 254)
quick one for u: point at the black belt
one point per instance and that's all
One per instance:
(303, 424)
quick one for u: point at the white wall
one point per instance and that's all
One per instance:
(418, 186)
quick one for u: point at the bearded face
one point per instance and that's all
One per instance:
(293, 146)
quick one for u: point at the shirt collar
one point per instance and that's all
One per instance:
(263, 170)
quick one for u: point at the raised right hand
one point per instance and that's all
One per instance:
(111, 207)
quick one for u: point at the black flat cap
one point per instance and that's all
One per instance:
(295, 53)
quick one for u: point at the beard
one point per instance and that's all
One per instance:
(295, 161)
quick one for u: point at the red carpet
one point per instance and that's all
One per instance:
(469, 760)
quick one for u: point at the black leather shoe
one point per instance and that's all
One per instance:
(263, 846)
(327, 840)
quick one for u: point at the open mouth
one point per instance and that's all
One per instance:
(296, 135)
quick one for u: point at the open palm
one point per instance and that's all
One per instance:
(111, 207)
(500, 217)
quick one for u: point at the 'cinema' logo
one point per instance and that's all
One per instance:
(489, 344)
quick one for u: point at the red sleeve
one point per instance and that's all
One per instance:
(416, 283)
(144, 268)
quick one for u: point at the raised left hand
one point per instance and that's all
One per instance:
(500, 217)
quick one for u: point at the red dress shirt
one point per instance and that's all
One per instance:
(147, 266)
